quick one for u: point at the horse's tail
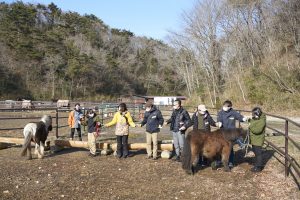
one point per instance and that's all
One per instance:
(26, 143)
(187, 154)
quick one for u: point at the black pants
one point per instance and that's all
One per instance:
(122, 145)
(73, 131)
(258, 156)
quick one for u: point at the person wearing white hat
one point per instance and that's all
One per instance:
(201, 119)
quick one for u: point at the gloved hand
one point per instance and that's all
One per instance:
(182, 128)
(219, 124)
(245, 119)
(160, 126)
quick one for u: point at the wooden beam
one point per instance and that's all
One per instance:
(138, 146)
(11, 140)
(79, 144)
(84, 144)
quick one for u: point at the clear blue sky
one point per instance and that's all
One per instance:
(151, 18)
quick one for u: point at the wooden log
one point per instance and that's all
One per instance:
(79, 144)
(138, 146)
(4, 145)
(11, 140)
(84, 144)
(5, 141)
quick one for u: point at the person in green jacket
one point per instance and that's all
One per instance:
(257, 127)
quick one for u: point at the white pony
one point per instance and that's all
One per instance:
(36, 132)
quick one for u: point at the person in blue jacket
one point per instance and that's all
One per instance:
(154, 121)
(227, 120)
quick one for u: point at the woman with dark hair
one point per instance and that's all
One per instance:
(123, 120)
(74, 121)
(257, 127)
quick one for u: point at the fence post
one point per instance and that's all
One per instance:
(102, 115)
(56, 134)
(286, 149)
(84, 119)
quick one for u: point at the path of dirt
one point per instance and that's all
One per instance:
(71, 174)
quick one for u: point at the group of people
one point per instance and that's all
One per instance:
(179, 122)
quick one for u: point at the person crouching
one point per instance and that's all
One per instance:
(93, 124)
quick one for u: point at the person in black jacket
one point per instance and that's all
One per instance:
(201, 119)
(154, 121)
(180, 120)
(227, 120)
(93, 124)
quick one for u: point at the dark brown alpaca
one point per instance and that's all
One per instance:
(210, 145)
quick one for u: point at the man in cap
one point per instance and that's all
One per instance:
(201, 119)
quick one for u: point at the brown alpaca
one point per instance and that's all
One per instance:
(210, 145)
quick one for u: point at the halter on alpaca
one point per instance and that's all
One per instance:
(38, 133)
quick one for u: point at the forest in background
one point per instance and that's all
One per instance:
(246, 51)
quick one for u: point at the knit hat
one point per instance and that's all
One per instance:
(202, 108)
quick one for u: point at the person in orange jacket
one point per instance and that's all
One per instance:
(74, 121)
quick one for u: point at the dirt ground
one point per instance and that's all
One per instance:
(71, 174)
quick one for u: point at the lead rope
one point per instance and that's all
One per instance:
(247, 141)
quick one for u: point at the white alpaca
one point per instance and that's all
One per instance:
(36, 132)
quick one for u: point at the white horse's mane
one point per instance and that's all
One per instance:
(47, 120)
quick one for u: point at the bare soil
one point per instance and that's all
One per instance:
(72, 174)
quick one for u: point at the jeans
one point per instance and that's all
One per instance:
(178, 140)
(122, 145)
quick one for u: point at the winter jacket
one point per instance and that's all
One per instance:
(227, 118)
(207, 121)
(178, 119)
(257, 130)
(122, 121)
(74, 118)
(91, 123)
(153, 119)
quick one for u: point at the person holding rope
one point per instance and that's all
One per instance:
(93, 124)
(257, 126)
(122, 119)
(226, 120)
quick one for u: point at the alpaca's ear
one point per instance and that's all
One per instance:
(50, 128)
